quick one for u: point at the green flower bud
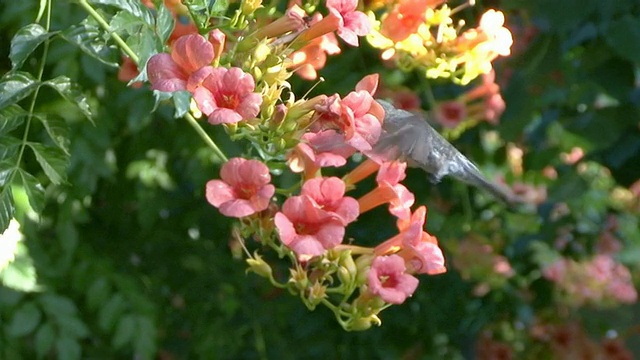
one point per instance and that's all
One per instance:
(259, 266)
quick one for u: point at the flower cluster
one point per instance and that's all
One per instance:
(422, 34)
(236, 73)
(601, 281)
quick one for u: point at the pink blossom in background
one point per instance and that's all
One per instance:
(244, 188)
(328, 193)
(190, 53)
(353, 23)
(306, 228)
(388, 279)
(227, 96)
(450, 113)
(313, 56)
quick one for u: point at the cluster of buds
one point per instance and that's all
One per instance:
(236, 76)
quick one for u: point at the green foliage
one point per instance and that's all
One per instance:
(131, 262)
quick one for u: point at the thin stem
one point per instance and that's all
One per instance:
(32, 105)
(103, 23)
(194, 123)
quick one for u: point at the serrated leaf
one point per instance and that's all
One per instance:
(53, 161)
(11, 117)
(134, 7)
(34, 190)
(7, 169)
(125, 329)
(25, 41)
(71, 92)
(7, 208)
(15, 86)
(68, 348)
(88, 37)
(58, 130)
(44, 340)
(164, 24)
(9, 147)
(24, 320)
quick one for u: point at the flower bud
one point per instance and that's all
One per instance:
(248, 7)
(365, 323)
(259, 266)
(317, 293)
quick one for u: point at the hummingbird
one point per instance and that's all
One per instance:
(409, 137)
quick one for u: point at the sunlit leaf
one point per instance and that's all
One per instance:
(53, 161)
(11, 117)
(58, 130)
(34, 190)
(25, 41)
(24, 320)
(164, 24)
(44, 339)
(15, 86)
(71, 92)
(88, 37)
(133, 7)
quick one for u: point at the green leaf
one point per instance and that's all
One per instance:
(110, 311)
(25, 42)
(217, 7)
(6, 172)
(35, 191)
(125, 331)
(181, 101)
(623, 36)
(145, 337)
(88, 37)
(7, 208)
(24, 320)
(71, 92)
(73, 327)
(11, 117)
(15, 86)
(98, 293)
(9, 146)
(164, 24)
(133, 7)
(68, 348)
(53, 161)
(57, 306)
(44, 340)
(58, 130)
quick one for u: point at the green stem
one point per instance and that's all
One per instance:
(194, 123)
(32, 105)
(103, 23)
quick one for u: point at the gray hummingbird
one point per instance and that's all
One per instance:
(409, 137)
